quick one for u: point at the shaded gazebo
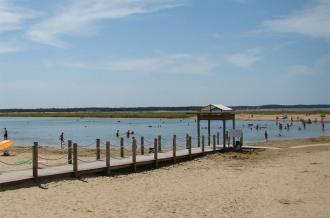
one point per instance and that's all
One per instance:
(215, 112)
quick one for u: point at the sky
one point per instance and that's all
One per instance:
(132, 53)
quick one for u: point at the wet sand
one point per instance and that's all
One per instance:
(287, 182)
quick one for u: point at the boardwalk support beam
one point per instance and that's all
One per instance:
(156, 152)
(142, 145)
(107, 159)
(75, 160)
(160, 143)
(174, 149)
(98, 150)
(134, 154)
(69, 152)
(121, 147)
(35, 160)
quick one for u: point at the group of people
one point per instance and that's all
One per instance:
(5, 136)
(128, 133)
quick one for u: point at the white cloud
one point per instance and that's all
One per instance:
(319, 67)
(9, 47)
(312, 21)
(12, 17)
(301, 70)
(78, 16)
(244, 59)
(172, 64)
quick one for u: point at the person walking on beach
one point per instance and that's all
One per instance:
(266, 136)
(5, 134)
(62, 139)
(5, 137)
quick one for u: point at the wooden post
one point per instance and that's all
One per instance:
(159, 143)
(75, 160)
(203, 145)
(69, 152)
(156, 152)
(121, 147)
(107, 159)
(35, 160)
(198, 132)
(224, 134)
(209, 132)
(187, 141)
(218, 138)
(189, 146)
(233, 128)
(214, 143)
(98, 151)
(142, 145)
(174, 148)
(134, 154)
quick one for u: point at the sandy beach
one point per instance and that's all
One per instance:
(293, 181)
(272, 117)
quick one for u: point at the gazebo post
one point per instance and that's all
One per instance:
(224, 133)
(233, 128)
(209, 132)
(198, 132)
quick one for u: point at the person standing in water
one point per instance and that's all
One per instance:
(5, 134)
(62, 139)
(266, 136)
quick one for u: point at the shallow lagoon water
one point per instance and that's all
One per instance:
(46, 131)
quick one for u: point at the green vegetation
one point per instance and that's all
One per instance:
(169, 115)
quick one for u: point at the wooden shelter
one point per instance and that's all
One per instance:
(215, 112)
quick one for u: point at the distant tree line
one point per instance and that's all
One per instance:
(157, 109)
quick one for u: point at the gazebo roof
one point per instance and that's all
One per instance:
(216, 112)
(216, 108)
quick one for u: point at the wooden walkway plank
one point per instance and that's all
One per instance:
(98, 166)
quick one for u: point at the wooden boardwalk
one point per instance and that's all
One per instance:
(19, 176)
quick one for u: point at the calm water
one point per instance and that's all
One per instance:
(24, 131)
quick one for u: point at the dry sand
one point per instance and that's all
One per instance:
(270, 183)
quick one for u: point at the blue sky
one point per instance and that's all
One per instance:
(127, 53)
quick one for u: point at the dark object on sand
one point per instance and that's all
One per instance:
(151, 150)
(6, 154)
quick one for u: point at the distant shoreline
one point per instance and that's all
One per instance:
(257, 115)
